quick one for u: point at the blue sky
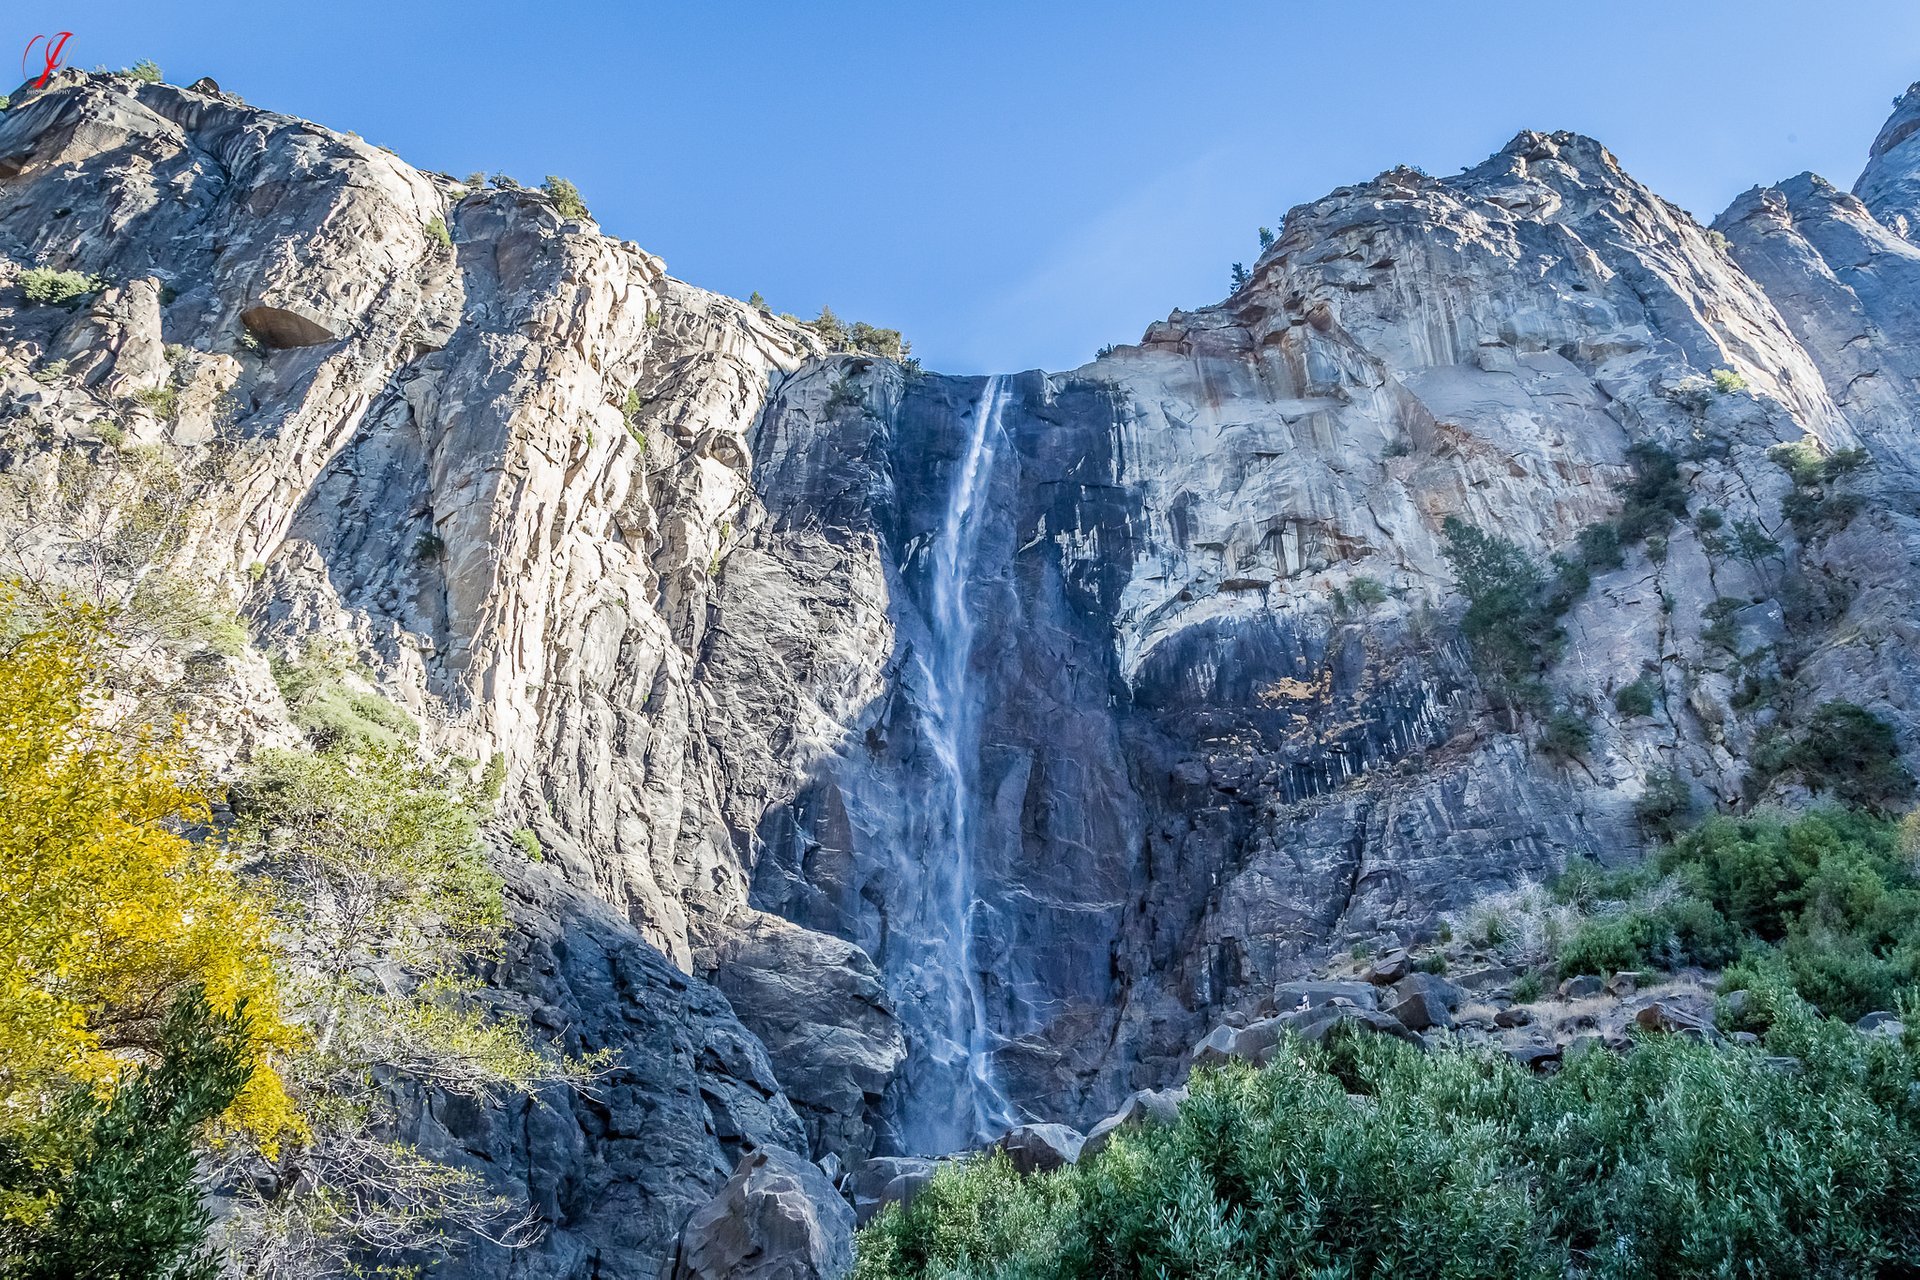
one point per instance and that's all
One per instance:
(1014, 184)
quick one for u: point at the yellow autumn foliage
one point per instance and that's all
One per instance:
(108, 909)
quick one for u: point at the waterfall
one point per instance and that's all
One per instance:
(966, 1104)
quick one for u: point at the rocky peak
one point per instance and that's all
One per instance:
(1890, 184)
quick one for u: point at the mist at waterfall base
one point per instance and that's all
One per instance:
(957, 1100)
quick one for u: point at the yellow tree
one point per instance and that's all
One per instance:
(110, 908)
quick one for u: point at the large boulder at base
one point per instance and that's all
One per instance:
(777, 1218)
(1315, 1025)
(1041, 1148)
(874, 1184)
(1253, 1043)
(1149, 1106)
(1679, 1017)
(1292, 997)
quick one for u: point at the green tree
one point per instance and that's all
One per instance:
(566, 197)
(125, 1198)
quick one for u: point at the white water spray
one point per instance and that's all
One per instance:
(951, 979)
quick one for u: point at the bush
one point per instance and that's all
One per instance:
(336, 717)
(1367, 591)
(1636, 700)
(1369, 1159)
(1512, 620)
(1567, 735)
(1665, 805)
(125, 1198)
(566, 197)
(1654, 497)
(1600, 547)
(146, 70)
(1827, 905)
(528, 843)
(437, 228)
(1727, 382)
(43, 286)
(1851, 754)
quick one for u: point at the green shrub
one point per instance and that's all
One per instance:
(43, 286)
(528, 843)
(1726, 382)
(566, 197)
(429, 546)
(353, 720)
(164, 401)
(1721, 631)
(1827, 905)
(1511, 620)
(186, 614)
(844, 395)
(878, 342)
(1851, 754)
(1600, 547)
(1654, 497)
(146, 70)
(1567, 736)
(1664, 807)
(437, 228)
(493, 783)
(1636, 700)
(1367, 1159)
(336, 717)
(122, 1194)
(1367, 591)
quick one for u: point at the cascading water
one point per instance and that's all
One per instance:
(964, 1103)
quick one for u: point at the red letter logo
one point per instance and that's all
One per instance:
(51, 53)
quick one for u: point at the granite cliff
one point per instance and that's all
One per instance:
(912, 754)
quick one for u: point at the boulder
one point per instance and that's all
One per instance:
(1291, 997)
(777, 1218)
(1421, 1011)
(1253, 1043)
(1535, 1057)
(1494, 978)
(1514, 1016)
(874, 1184)
(1580, 1046)
(1878, 1019)
(1316, 1025)
(1581, 987)
(1432, 986)
(1625, 983)
(1390, 967)
(1675, 1018)
(1149, 1106)
(1041, 1148)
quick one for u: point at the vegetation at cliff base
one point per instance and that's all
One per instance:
(1797, 1155)
(1369, 1158)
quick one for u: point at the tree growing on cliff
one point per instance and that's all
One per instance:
(118, 918)
(386, 903)
(565, 196)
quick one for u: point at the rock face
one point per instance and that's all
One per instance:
(613, 1172)
(684, 575)
(778, 1218)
